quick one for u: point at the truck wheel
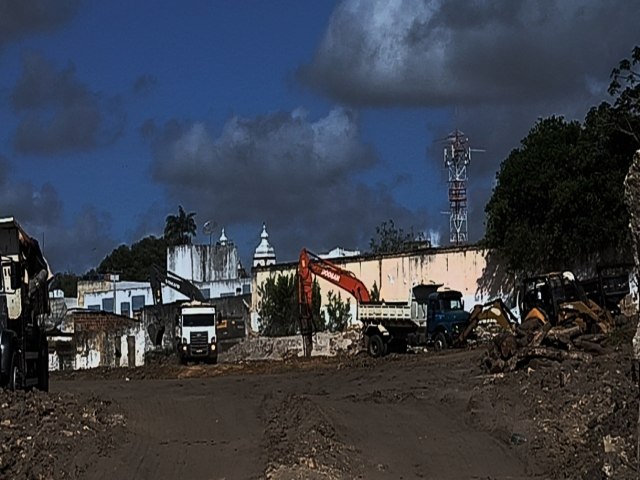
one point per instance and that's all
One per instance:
(440, 342)
(376, 346)
(14, 374)
(43, 369)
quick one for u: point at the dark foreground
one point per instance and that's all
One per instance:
(406, 416)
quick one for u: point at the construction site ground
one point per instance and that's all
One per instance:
(422, 415)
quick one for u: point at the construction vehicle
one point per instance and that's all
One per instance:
(429, 316)
(557, 297)
(24, 301)
(196, 337)
(609, 286)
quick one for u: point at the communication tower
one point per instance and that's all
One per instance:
(457, 156)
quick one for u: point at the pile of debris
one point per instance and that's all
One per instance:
(579, 332)
(325, 344)
(39, 432)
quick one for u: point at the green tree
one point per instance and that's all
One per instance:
(391, 239)
(67, 282)
(338, 312)
(558, 201)
(179, 229)
(134, 263)
(278, 306)
(374, 295)
(625, 87)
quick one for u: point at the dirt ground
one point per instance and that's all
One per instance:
(432, 416)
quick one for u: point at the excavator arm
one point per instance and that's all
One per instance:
(495, 310)
(311, 264)
(157, 277)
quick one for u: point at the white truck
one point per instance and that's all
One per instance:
(196, 332)
(196, 337)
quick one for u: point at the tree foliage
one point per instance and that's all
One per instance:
(374, 295)
(278, 306)
(134, 263)
(558, 202)
(338, 312)
(179, 229)
(625, 87)
(391, 239)
(67, 282)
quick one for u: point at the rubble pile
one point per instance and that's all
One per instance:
(579, 332)
(40, 432)
(280, 348)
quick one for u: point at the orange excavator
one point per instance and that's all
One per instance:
(311, 264)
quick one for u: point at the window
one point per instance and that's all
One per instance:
(137, 302)
(107, 305)
(125, 309)
(93, 307)
(206, 293)
(246, 289)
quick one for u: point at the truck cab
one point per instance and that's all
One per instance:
(446, 317)
(196, 335)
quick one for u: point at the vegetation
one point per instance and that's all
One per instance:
(179, 229)
(338, 312)
(278, 308)
(558, 202)
(375, 293)
(134, 263)
(625, 87)
(391, 239)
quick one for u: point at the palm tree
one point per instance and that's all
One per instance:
(179, 229)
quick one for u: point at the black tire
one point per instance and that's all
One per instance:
(43, 368)
(440, 342)
(376, 346)
(14, 374)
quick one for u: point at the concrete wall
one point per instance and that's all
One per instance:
(204, 263)
(474, 271)
(99, 340)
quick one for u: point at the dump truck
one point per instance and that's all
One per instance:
(195, 336)
(431, 315)
(24, 302)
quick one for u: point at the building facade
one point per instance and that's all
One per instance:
(474, 271)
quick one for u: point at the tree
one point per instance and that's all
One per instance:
(625, 87)
(278, 306)
(558, 201)
(338, 312)
(374, 295)
(180, 228)
(391, 239)
(134, 263)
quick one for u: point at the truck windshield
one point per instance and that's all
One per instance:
(447, 304)
(199, 320)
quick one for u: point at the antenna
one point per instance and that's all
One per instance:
(457, 156)
(208, 228)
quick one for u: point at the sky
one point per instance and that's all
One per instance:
(320, 118)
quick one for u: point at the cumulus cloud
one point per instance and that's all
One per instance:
(59, 113)
(23, 17)
(40, 211)
(436, 52)
(297, 174)
(499, 66)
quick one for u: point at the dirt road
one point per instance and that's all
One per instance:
(398, 417)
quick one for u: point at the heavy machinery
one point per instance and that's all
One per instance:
(24, 301)
(196, 337)
(557, 297)
(430, 314)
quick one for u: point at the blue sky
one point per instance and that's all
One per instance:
(320, 118)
